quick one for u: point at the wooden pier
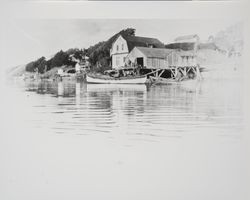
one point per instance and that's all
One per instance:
(169, 64)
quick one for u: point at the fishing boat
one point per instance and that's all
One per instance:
(113, 80)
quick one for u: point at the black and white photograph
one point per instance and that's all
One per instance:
(124, 100)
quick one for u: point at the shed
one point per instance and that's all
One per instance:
(186, 43)
(160, 58)
(188, 38)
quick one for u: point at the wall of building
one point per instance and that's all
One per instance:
(135, 53)
(173, 59)
(156, 63)
(118, 60)
(118, 51)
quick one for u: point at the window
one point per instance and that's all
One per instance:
(122, 47)
(117, 47)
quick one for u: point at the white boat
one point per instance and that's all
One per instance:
(112, 80)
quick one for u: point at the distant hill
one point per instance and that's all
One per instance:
(16, 71)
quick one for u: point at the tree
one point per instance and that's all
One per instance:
(128, 32)
(30, 67)
(41, 64)
(61, 58)
(99, 55)
(100, 52)
(38, 65)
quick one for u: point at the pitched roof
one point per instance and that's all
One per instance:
(187, 37)
(208, 45)
(181, 45)
(187, 53)
(133, 41)
(163, 53)
(155, 52)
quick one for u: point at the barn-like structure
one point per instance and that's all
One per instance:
(123, 45)
(161, 58)
(161, 61)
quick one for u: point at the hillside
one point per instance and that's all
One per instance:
(99, 57)
(16, 71)
(99, 54)
(220, 46)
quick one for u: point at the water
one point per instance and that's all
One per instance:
(67, 140)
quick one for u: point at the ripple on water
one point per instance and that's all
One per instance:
(154, 112)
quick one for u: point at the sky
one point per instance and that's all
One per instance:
(29, 39)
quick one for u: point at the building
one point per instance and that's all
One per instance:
(124, 44)
(187, 38)
(186, 43)
(164, 63)
(77, 68)
(60, 71)
(161, 58)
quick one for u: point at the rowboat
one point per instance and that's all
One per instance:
(113, 80)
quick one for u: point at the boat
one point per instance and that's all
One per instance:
(163, 81)
(113, 80)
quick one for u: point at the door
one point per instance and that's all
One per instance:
(140, 61)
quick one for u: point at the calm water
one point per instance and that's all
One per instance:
(67, 140)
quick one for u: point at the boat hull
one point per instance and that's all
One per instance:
(135, 80)
(163, 81)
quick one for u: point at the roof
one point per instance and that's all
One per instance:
(209, 45)
(187, 53)
(133, 41)
(155, 52)
(183, 46)
(163, 53)
(187, 37)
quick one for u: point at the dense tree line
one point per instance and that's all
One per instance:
(61, 58)
(99, 56)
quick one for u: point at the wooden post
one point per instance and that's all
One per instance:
(198, 73)
(172, 73)
(161, 73)
(185, 71)
(189, 68)
(194, 70)
(152, 72)
(176, 72)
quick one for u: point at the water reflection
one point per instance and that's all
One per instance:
(108, 141)
(162, 111)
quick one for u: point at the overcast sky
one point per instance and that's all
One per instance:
(26, 40)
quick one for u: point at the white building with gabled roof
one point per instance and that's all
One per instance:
(124, 44)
